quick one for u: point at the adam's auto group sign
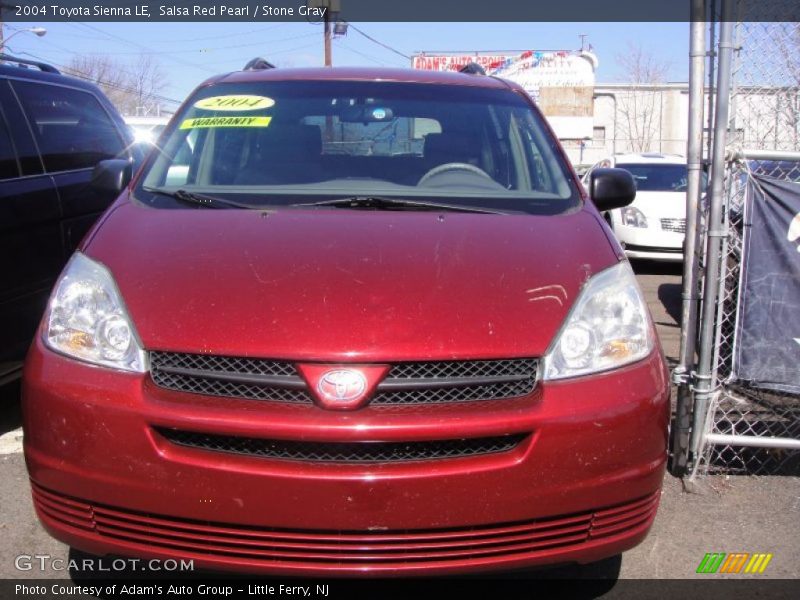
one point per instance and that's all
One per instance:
(561, 81)
(453, 62)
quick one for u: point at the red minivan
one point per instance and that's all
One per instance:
(350, 321)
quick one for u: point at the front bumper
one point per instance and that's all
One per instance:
(645, 253)
(583, 485)
(650, 243)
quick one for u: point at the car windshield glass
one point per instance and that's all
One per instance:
(286, 142)
(660, 177)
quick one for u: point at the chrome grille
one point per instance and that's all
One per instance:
(675, 225)
(343, 452)
(431, 382)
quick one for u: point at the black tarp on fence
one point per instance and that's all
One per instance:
(767, 345)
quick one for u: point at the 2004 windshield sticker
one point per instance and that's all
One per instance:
(237, 103)
(240, 103)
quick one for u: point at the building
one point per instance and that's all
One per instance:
(655, 118)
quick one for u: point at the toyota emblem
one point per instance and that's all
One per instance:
(342, 385)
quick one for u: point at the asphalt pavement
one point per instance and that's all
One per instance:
(723, 514)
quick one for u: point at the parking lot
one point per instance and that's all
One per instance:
(725, 514)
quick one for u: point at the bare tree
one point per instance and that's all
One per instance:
(106, 73)
(134, 89)
(640, 107)
(147, 80)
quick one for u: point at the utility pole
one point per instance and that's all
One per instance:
(327, 33)
(332, 10)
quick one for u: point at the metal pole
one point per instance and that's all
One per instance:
(743, 154)
(712, 20)
(691, 258)
(713, 239)
(753, 441)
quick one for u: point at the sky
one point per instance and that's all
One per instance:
(191, 52)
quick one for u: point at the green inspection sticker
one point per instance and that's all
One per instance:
(206, 122)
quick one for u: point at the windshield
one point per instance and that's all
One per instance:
(283, 143)
(660, 177)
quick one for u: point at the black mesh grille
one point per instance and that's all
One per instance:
(434, 382)
(523, 372)
(343, 452)
(208, 371)
(460, 394)
(229, 389)
(464, 368)
(222, 364)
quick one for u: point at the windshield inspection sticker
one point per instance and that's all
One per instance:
(235, 103)
(205, 122)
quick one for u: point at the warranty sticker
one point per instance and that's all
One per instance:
(235, 103)
(206, 122)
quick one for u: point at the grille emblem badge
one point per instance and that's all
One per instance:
(342, 385)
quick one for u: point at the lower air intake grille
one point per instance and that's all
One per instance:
(348, 551)
(343, 452)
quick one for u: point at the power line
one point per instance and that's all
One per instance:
(116, 65)
(225, 35)
(339, 44)
(137, 45)
(205, 50)
(72, 72)
(372, 39)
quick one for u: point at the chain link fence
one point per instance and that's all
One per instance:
(763, 132)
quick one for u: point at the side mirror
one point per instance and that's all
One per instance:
(112, 176)
(611, 188)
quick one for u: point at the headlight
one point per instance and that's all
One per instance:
(608, 327)
(633, 217)
(87, 319)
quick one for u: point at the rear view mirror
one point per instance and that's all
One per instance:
(112, 176)
(366, 114)
(611, 188)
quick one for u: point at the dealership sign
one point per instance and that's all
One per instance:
(561, 82)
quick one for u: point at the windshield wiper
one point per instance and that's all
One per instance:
(386, 203)
(196, 199)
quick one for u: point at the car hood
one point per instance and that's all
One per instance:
(339, 284)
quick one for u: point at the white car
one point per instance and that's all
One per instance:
(653, 226)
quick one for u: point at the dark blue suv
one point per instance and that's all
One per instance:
(54, 129)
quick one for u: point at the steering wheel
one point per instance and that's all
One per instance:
(453, 166)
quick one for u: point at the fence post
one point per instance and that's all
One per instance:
(703, 383)
(681, 425)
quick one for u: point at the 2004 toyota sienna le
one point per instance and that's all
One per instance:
(350, 321)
